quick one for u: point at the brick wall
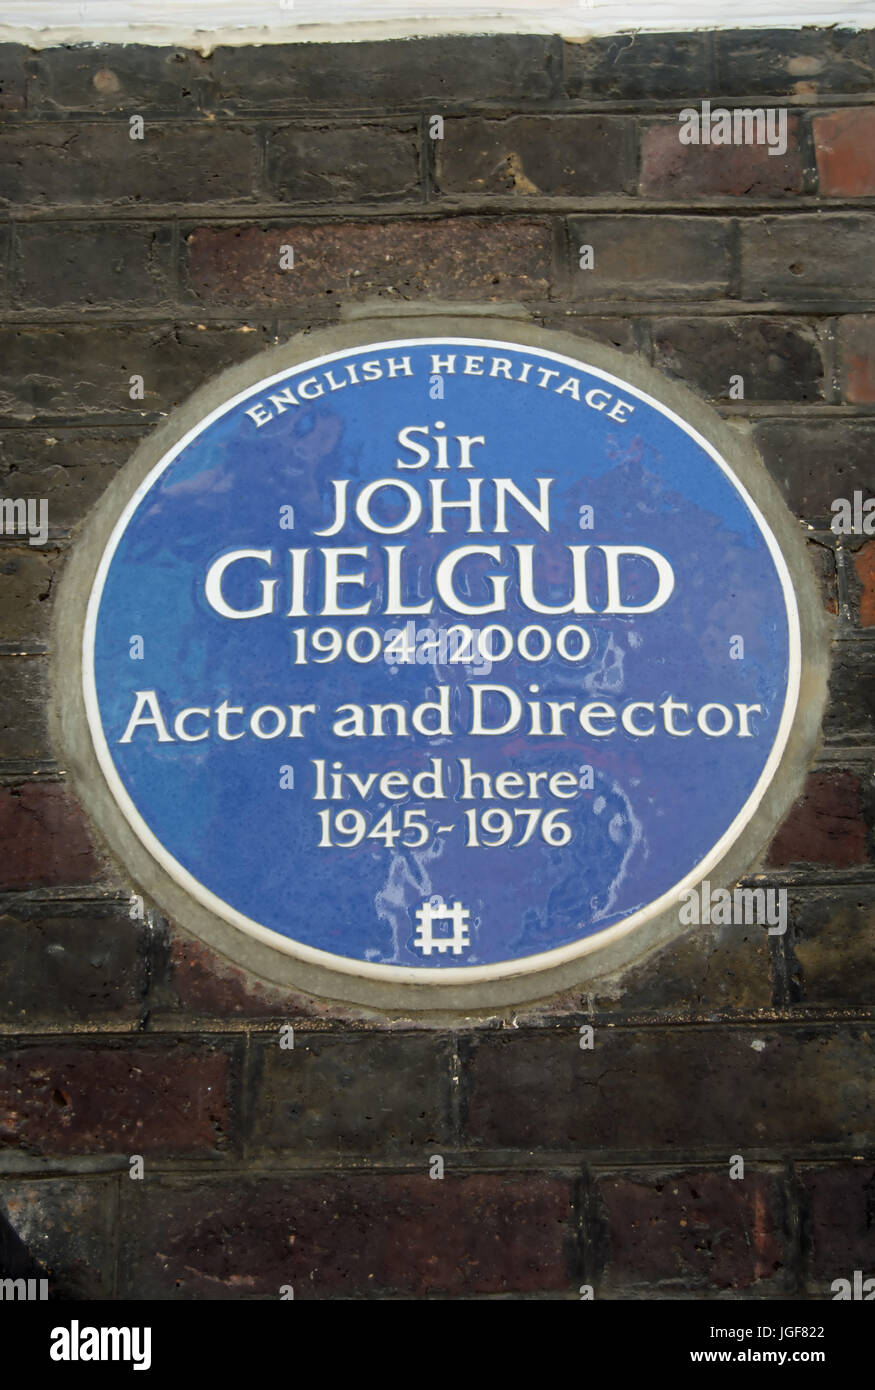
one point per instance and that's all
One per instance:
(121, 1036)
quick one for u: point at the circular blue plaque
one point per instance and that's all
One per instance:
(440, 659)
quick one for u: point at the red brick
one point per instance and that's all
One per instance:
(348, 1235)
(66, 1100)
(43, 838)
(826, 826)
(844, 142)
(856, 337)
(864, 564)
(193, 979)
(840, 1212)
(672, 170)
(697, 1230)
(457, 258)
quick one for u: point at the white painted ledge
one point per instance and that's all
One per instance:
(203, 24)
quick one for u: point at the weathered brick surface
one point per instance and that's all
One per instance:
(856, 339)
(777, 359)
(525, 155)
(27, 576)
(459, 258)
(634, 67)
(658, 1091)
(838, 1222)
(826, 826)
(44, 838)
(644, 257)
(384, 76)
(115, 77)
(815, 461)
(349, 1236)
(832, 947)
(850, 713)
(357, 1094)
(93, 265)
(344, 163)
(786, 62)
(12, 79)
(57, 969)
(71, 469)
(190, 980)
(68, 1226)
(36, 382)
(793, 257)
(670, 169)
(156, 1099)
(692, 1231)
(709, 969)
(90, 164)
(845, 146)
(23, 712)
(823, 562)
(864, 571)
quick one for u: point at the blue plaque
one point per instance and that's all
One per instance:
(440, 659)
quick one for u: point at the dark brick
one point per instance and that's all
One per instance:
(65, 1099)
(23, 699)
(798, 257)
(707, 970)
(360, 1094)
(458, 258)
(67, 1225)
(832, 947)
(864, 570)
(826, 826)
(444, 72)
(12, 80)
(44, 838)
(36, 381)
(844, 143)
(839, 1221)
(93, 265)
(779, 359)
(666, 1091)
(57, 163)
(71, 470)
(619, 333)
(670, 170)
(856, 339)
(60, 969)
(651, 257)
(572, 156)
(5, 238)
(815, 461)
(694, 1231)
(134, 78)
(344, 163)
(348, 1235)
(850, 712)
(189, 978)
(792, 62)
(27, 577)
(636, 67)
(823, 563)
